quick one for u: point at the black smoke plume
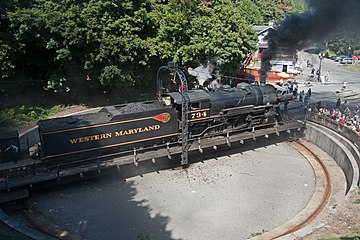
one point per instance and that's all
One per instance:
(301, 30)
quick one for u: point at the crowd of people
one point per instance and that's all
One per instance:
(298, 95)
(341, 114)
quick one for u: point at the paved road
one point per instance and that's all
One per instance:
(231, 197)
(331, 90)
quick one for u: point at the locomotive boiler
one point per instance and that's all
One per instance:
(228, 108)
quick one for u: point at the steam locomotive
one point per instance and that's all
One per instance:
(159, 123)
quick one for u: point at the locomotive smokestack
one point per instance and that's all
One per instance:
(301, 30)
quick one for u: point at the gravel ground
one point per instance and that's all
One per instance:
(231, 197)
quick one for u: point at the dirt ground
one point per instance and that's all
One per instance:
(343, 221)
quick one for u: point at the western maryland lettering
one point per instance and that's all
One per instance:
(90, 138)
(137, 130)
(114, 134)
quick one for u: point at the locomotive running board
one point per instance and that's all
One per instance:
(228, 112)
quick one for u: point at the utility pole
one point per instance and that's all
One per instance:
(321, 56)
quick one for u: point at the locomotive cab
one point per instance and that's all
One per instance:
(199, 101)
(199, 108)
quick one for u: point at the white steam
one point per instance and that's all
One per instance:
(201, 73)
(205, 73)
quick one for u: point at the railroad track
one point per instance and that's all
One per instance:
(306, 151)
(307, 216)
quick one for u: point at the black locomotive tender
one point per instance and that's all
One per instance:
(158, 124)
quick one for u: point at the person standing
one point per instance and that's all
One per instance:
(301, 96)
(357, 109)
(343, 107)
(338, 103)
(344, 86)
(327, 76)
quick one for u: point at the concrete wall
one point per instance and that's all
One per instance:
(324, 134)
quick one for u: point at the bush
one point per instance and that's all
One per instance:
(26, 115)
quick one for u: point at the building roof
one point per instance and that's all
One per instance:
(261, 28)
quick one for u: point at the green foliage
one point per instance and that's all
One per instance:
(112, 40)
(258, 233)
(357, 201)
(93, 34)
(350, 237)
(274, 10)
(113, 76)
(194, 34)
(298, 6)
(142, 236)
(58, 83)
(345, 42)
(250, 12)
(6, 65)
(25, 114)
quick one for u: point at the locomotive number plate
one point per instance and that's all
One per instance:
(197, 115)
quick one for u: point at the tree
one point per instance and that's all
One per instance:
(65, 36)
(274, 10)
(6, 65)
(250, 11)
(110, 41)
(198, 33)
(6, 40)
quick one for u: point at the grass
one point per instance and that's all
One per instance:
(357, 201)
(354, 236)
(142, 236)
(257, 233)
(12, 117)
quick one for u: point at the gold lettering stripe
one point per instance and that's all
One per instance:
(110, 146)
(99, 125)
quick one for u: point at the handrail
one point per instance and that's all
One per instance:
(343, 130)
